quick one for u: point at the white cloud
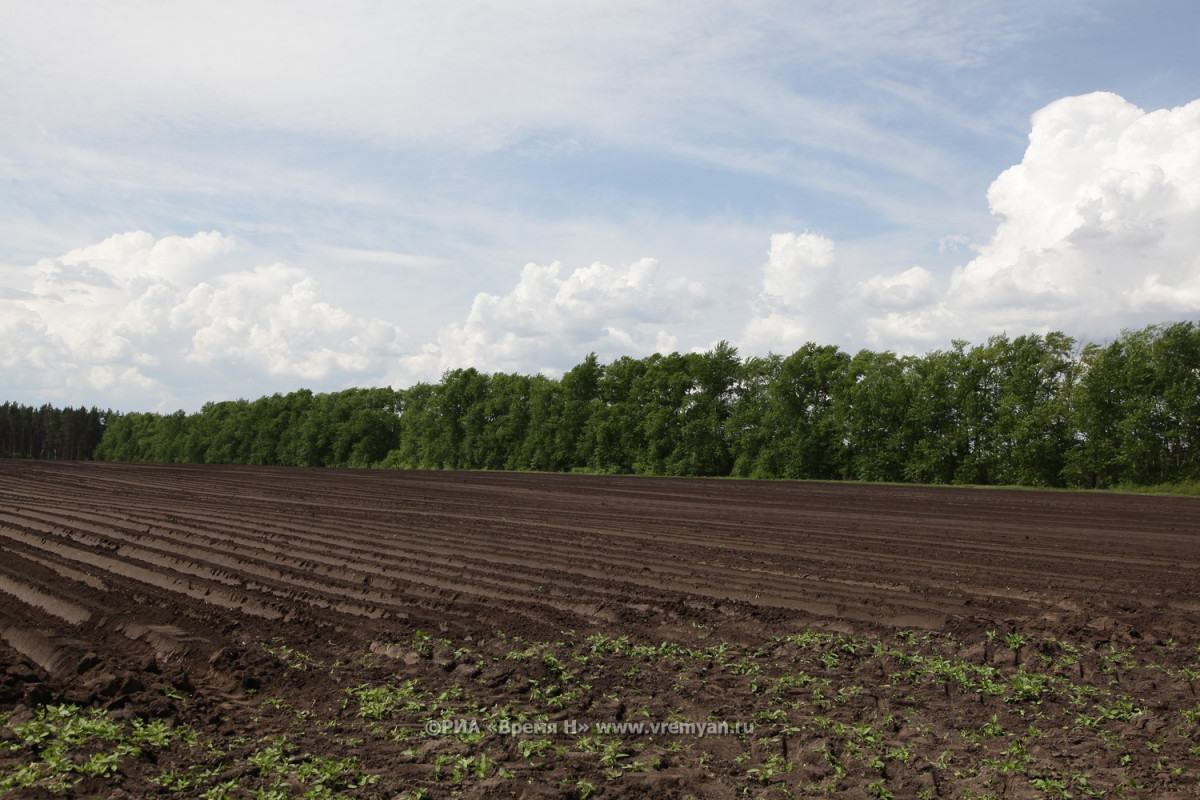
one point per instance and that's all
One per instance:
(229, 112)
(775, 332)
(794, 305)
(952, 243)
(129, 381)
(125, 317)
(913, 288)
(909, 332)
(797, 266)
(355, 255)
(425, 139)
(547, 317)
(1156, 296)
(135, 256)
(272, 319)
(474, 72)
(1106, 199)
(1099, 229)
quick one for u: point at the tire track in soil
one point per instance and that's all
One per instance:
(110, 573)
(367, 544)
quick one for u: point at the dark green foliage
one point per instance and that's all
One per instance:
(1030, 437)
(48, 432)
(875, 405)
(1032, 411)
(807, 439)
(747, 430)
(935, 422)
(704, 447)
(354, 428)
(1135, 411)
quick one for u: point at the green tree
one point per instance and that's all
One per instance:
(581, 398)
(873, 410)
(703, 446)
(935, 424)
(1137, 408)
(806, 438)
(1032, 430)
(416, 440)
(749, 432)
(612, 440)
(539, 449)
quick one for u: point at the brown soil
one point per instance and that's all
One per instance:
(193, 593)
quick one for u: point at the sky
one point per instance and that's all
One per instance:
(215, 200)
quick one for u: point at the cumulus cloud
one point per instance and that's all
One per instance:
(797, 266)
(612, 311)
(129, 317)
(797, 288)
(913, 288)
(1183, 296)
(125, 257)
(1099, 219)
(1099, 229)
(272, 318)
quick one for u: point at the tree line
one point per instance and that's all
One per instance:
(48, 432)
(1037, 410)
(354, 428)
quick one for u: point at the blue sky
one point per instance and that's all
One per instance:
(213, 200)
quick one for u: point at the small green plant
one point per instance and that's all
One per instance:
(381, 702)
(533, 748)
(221, 791)
(1027, 687)
(1052, 787)
(611, 753)
(880, 790)
(772, 768)
(1015, 641)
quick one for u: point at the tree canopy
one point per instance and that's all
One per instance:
(1037, 410)
(49, 432)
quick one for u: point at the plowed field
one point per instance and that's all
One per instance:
(235, 632)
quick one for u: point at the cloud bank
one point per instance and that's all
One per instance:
(135, 318)
(1098, 229)
(1101, 218)
(797, 284)
(140, 322)
(611, 311)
